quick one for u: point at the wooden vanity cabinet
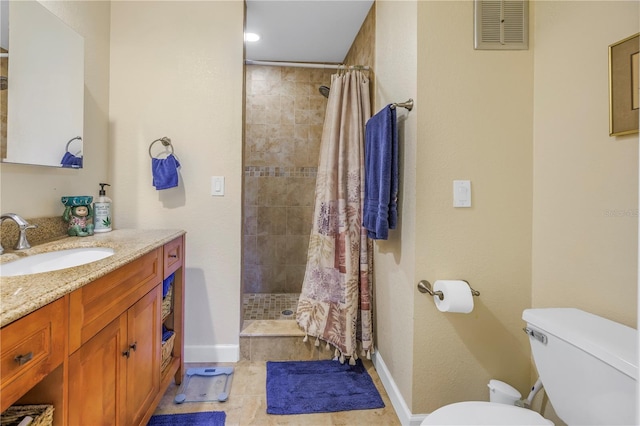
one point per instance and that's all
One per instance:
(115, 342)
(114, 375)
(106, 370)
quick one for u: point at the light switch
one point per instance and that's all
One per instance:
(461, 193)
(217, 186)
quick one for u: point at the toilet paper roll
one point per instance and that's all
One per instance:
(457, 296)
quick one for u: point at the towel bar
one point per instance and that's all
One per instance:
(165, 142)
(408, 105)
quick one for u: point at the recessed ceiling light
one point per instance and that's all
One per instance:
(251, 37)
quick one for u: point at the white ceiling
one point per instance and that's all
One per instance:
(303, 30)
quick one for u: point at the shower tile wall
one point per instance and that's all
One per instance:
(283, 127)
(362, 51)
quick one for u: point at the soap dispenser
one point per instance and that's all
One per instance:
(102, 211)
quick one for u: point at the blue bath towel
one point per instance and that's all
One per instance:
(381, 174)
(71, 161)
(165, 172)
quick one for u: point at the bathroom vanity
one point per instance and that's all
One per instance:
(88, 339)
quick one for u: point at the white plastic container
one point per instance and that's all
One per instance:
(503, 393)
(102, 211)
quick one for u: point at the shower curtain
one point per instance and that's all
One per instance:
(335, 303)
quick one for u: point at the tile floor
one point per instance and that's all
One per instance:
(247, 402)
(269, 306)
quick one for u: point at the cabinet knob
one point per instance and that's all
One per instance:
(126, 354)
(23, 359)
(133, 346)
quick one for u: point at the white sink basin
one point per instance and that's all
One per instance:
(54, 260)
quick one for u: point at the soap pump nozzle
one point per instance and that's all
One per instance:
(102, 190)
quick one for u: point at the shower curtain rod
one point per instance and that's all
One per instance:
(304, 65)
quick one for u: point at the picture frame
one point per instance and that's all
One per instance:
(624, 90)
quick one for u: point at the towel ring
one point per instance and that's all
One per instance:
(165, 142)
(66, 148)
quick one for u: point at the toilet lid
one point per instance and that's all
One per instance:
(484, 413)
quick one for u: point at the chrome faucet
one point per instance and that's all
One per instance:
(23, 225)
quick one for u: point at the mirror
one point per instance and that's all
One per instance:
(44, 98)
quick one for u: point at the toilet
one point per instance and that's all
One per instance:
(588, 366)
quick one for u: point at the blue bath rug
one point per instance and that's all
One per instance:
(301, 387)
(207, 418)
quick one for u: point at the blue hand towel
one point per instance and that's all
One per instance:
(166, 284)
(71, 161)
(166, 333)
(165, 172)
(381, 174)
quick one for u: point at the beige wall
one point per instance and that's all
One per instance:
(395, 259)
(475, 123)
(585, 212)
(585, 217)
(472, 120)
(177, 71)
(554, 198)
(35, 191)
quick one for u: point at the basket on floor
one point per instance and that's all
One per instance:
(167, 349)
(42, 415)
(166, 303)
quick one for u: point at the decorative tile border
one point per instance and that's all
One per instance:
(271, 171)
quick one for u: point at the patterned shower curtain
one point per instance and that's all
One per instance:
(335, 303)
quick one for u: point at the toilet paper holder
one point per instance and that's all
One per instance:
(424, 286)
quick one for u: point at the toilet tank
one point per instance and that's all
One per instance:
(587, 364)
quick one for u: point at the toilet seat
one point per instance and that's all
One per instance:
(484, 413)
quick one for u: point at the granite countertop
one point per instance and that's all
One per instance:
(21, 295)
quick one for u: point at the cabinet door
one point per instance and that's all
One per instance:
(143, 365)
(97, 377)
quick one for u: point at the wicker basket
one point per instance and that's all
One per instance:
(167, 349)
(166, 303)
(42, 415)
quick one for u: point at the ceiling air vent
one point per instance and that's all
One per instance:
(501, 24)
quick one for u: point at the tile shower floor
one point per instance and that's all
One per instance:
(269, 306)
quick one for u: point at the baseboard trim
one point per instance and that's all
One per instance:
(211, 353)
(399, 404)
